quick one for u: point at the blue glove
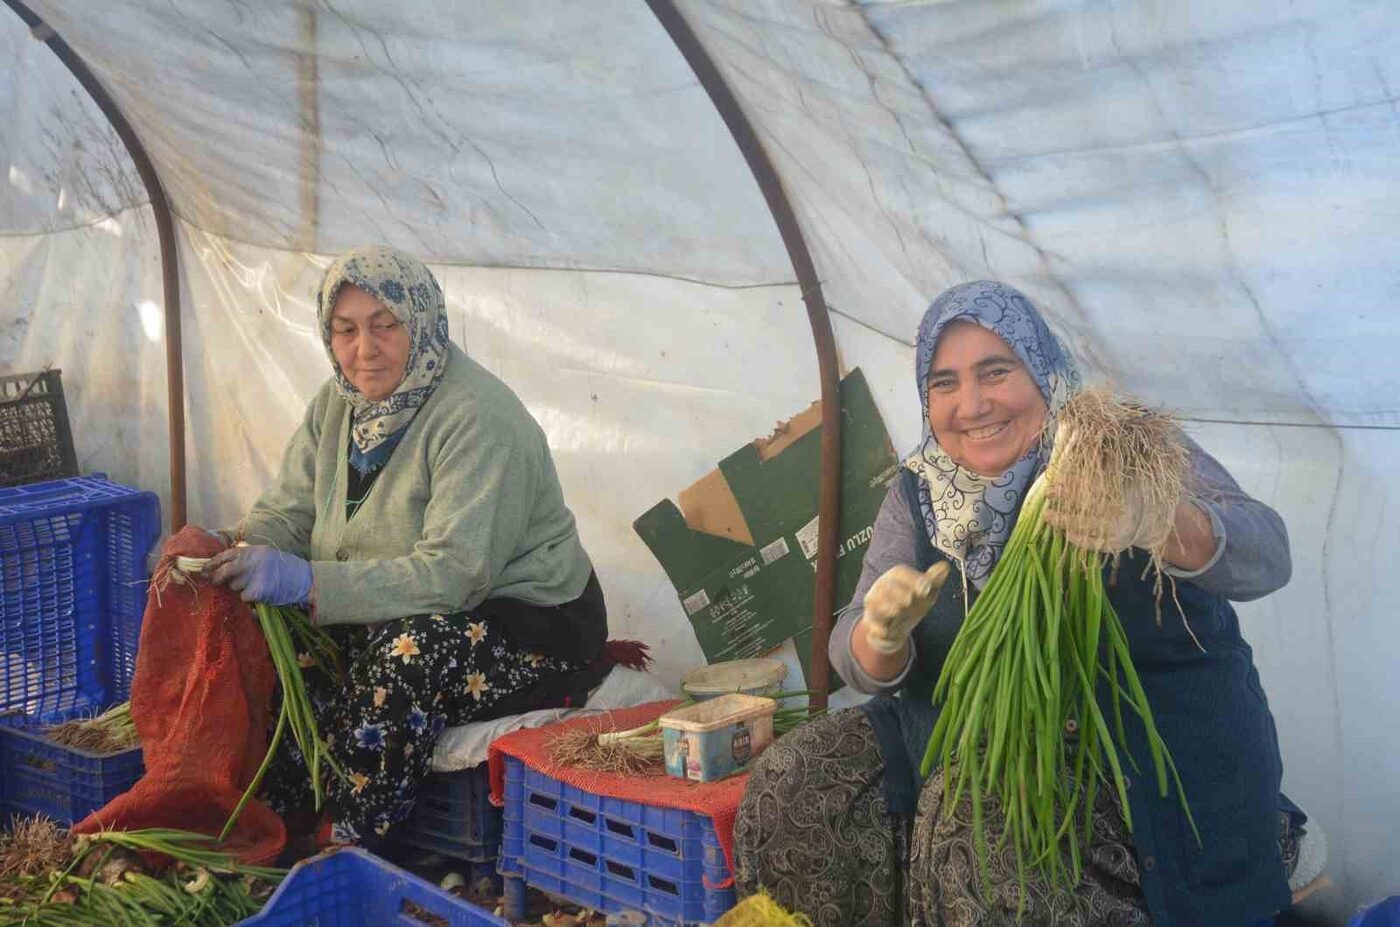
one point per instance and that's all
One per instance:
(262, 574)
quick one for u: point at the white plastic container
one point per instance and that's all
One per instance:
(759, 676)
(717, 737)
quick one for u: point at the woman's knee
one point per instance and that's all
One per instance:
(786, 753)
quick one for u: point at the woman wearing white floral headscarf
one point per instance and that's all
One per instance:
(835, 822)
(418, 513)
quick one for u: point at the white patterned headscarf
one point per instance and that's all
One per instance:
(969, 516)
(409, 290)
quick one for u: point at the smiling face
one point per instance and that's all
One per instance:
(985, 410)
(370, 343)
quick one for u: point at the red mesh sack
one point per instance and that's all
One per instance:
(201, 700)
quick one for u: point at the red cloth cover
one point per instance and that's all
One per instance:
(718, 800)
(201, 699)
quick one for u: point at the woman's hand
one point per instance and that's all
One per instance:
(1188, 546)
(898, 601)
(1106, 531)
(262, 574)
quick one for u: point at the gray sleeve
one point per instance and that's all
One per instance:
(892, 542)
(1251, 556)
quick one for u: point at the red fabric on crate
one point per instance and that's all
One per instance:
(201, 700)
(717, 800)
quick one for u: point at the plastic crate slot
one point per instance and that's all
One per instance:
(34, 761)
(540, 800)
(543, 842)
(663, 885)
(421, 915)
(582, 856)
(582, 814)
(621, 871)
(621, 828)
(662, 842)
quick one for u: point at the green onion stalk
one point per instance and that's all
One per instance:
(105, 884)
(1039, 649)
(289, 632)
(641, 748)
(109, 732)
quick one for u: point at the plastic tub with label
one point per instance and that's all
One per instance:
(717, 737)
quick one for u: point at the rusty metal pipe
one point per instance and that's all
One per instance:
(169, 251)
(829, 487)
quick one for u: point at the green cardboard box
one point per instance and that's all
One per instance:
(740, 548)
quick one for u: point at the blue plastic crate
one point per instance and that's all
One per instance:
(353, 888)
(38, 776)
(72, 592)
(1382, 914)
(610, 854)
(454, 816)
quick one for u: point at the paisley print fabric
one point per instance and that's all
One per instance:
(812, 829)
(946, 888)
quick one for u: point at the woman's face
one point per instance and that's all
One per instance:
(985, 410)
(369, 343)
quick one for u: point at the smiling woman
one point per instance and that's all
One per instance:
(836, 822)
(983, 406)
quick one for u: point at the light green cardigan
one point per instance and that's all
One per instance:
(468, 508)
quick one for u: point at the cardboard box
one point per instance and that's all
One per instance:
(741, 546)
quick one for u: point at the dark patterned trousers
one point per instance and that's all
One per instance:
(813, 830)
(405, 681)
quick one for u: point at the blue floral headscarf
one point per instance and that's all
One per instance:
(409, 290)
(969, 516)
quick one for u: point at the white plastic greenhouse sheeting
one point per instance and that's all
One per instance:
(1202, 196)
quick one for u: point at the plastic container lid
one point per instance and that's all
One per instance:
(756, 675)
(719, 712)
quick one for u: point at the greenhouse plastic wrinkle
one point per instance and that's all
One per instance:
(201, 700)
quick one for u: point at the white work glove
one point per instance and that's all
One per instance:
(898, 601)
(1105, 530)
(1101, 528)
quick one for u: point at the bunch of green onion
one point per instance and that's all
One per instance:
(288, 631)
(110, 732)
(1038, 646)
(104, 885)
(641, 749)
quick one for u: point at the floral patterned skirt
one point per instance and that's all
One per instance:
(405, 681)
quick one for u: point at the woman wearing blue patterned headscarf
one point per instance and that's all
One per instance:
(400, 305)
(991, 378)
(968, 513)
(418, 514)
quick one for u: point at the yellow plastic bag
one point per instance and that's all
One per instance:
(761, 911)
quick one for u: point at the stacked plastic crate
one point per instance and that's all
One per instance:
(73, 574)
(609, 854)
(454, 817)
